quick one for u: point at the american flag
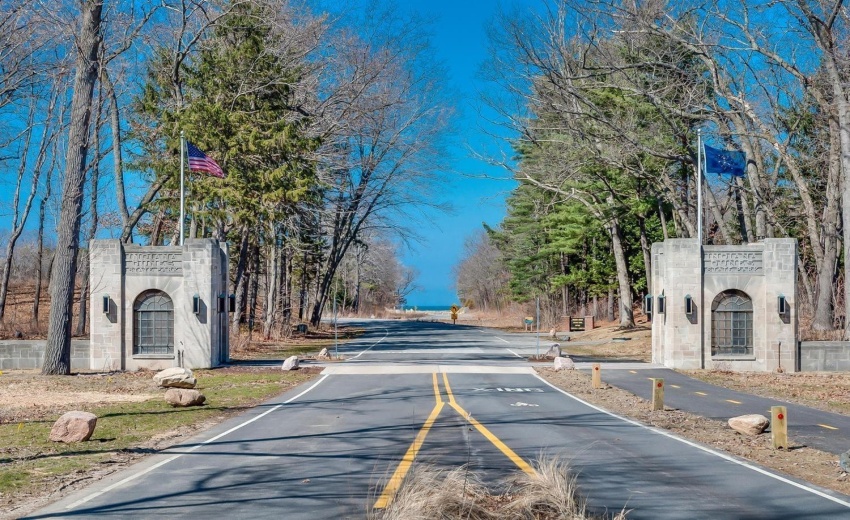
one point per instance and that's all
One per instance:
(199, 162)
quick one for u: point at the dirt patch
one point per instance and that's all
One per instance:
(805, 463)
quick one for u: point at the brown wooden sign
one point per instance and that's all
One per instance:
(576, 324)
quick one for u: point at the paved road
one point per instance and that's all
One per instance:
(452, 395)
(806, 426)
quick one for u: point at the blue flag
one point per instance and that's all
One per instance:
(725, 161)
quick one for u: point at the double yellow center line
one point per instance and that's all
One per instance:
(404, 466)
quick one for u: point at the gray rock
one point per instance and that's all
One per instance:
(324, 354)
(844, 461)
(554, 351)
(752, 424)
(184, 397)
(175, 377)
(73, 427)
(564, 363)
(291, 363)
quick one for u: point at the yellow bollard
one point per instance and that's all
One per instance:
(597, 375)
(657, 393)
(779, 427)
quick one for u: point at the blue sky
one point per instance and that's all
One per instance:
(460, 43)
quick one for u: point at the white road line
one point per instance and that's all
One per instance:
(145, 471)
(386, 333)
(703, 448)
(512, 352)
(500, 339)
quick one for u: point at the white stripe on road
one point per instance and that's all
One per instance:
(512, 352)
(386, 333)
(145, 471)
(703, 448)
(360, 369)
(500, 339)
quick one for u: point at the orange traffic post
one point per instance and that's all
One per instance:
(657, 393)
(779, 427)
(597, 375)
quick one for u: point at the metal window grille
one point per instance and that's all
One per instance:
(732, 325)
(153, 318)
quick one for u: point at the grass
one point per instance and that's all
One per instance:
(458, 494)
(125, 430)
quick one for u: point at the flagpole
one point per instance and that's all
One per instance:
(699, 186)
(701, 256)
(182, 202)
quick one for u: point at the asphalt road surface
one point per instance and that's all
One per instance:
(443, 395)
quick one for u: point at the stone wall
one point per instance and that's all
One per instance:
(29, 354)
(825, 356)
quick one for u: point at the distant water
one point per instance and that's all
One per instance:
(427, 308)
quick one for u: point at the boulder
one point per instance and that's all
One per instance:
(291, 363)
(752, 424)
(553, 333)
(184, 397)
(564, 363)
(844, 461)
(554, 351)
(73, 427)
(324, 354)
(175, 377)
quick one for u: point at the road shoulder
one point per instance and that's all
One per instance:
(804, 463)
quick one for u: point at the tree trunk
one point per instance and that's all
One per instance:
(82, 318)
(627, 320)
(610, 304)
(57, 355)
(39, 255)
(824, 310)
(302, 291)
(254, 287)
(271, 290)
(647, 255)
(663, 219)
(240, 281)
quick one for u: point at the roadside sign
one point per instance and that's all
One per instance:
(455, 308)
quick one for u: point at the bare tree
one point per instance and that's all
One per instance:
(382, 126)
(57, 356)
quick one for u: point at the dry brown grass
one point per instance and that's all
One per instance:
(459, 494)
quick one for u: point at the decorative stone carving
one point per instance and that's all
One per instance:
(731, 262)
(154, 263)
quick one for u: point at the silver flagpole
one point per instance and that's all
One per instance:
(182, 202)
(701, 255)
(699, 186)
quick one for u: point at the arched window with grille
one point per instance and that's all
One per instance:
(732, 324)
(153, 320)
